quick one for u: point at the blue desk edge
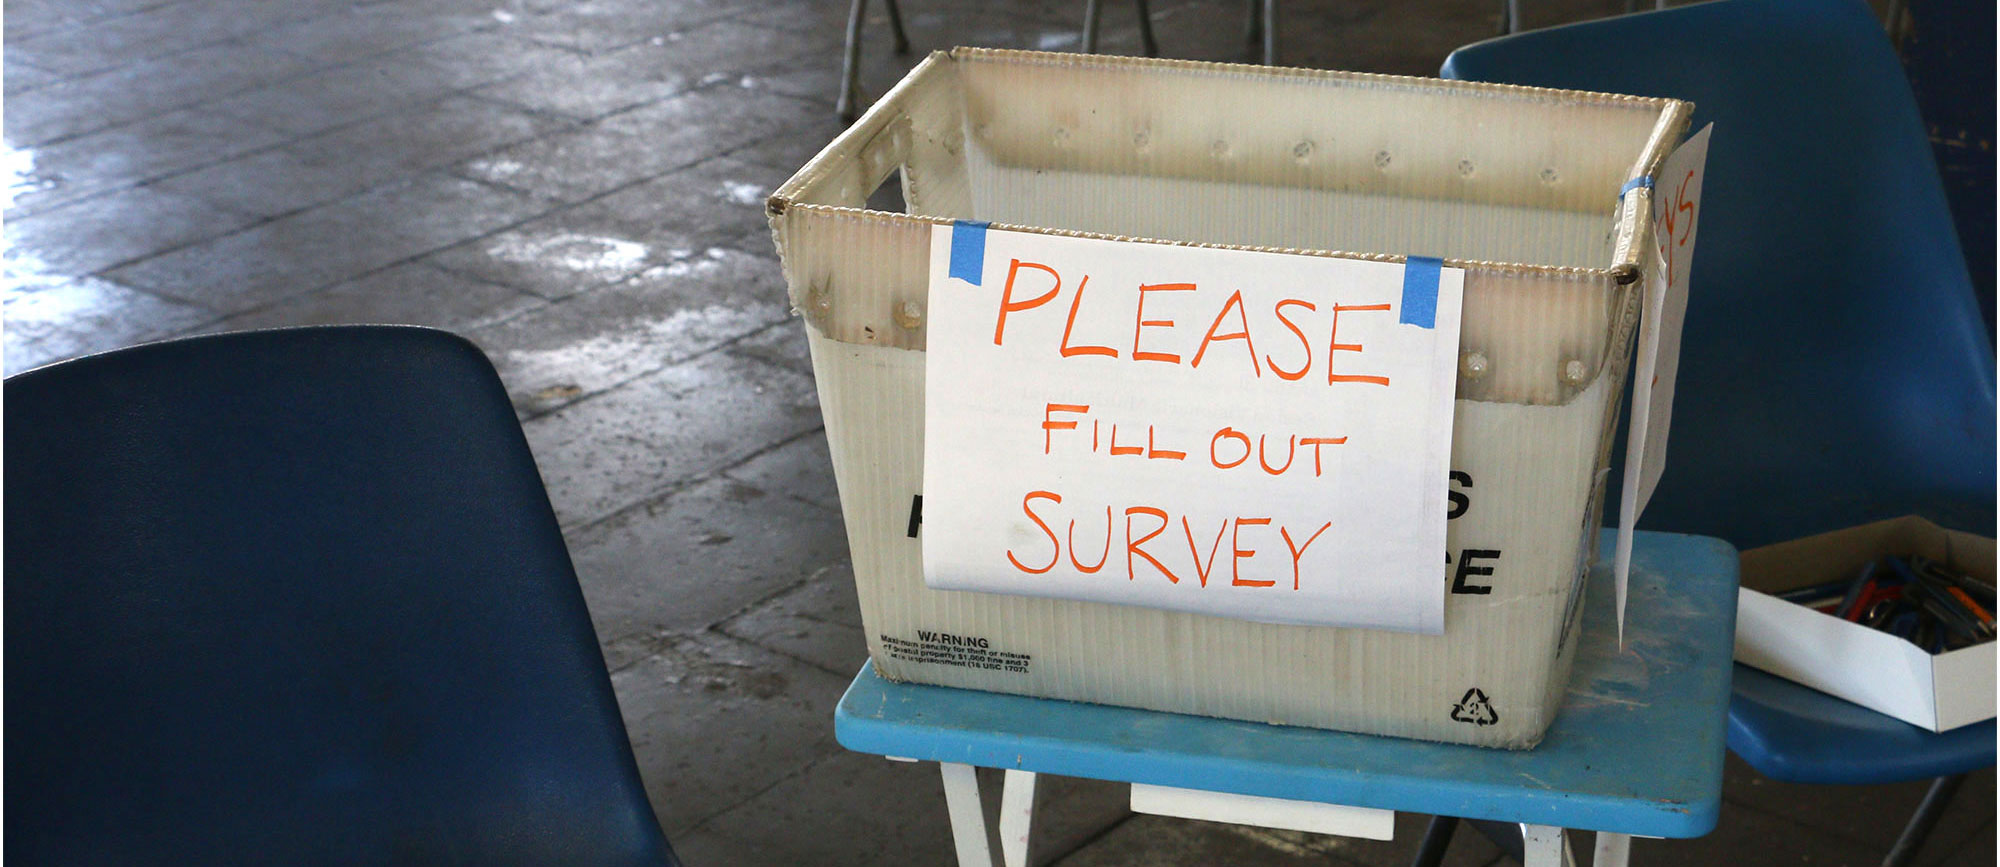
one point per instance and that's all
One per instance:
(1671, 787)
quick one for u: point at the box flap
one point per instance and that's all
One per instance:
(1828, 556)
(1873, 669)
(1963, 682)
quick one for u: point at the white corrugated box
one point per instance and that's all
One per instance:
(1524, 188)
(1876, 670)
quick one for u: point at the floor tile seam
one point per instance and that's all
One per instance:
(801, 53)
(670, 489)
(1936, 853)
(453, 170)
(504, 284)
(447, 170)
(476, 324)
(506, 31)
(720, 627)
(634, 662)
(700, 86)
(789, 316)
(667, 364)
(1731, 803)
(564, 206)
(129, 61)
(769, 70)
(56, 77)
(158, 297)
(673, 488)
(206, 99)
(759, 250)
(293, 139)
(819, 507)
(589, 52)
(104, 273)
(464, 92)
(358, 59)
(75, 24)
(217, 317)
(682, 27)
(316, 66)
(221, 316)
(570, 122)
(701, 825)
(578, 120)
(241, 38)
(748, 608)
(599, 119)
(813, 617)
(712, 17)
(412, 175)
(580, 126)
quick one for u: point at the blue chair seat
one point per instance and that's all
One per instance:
(298, 597)
(1795, 734)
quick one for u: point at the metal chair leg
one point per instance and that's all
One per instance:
(896, 24)
(1437, 838)
(1146, 39)
(850, 67)
(1092, 10)
(1925, 819)
(1510, 16)
(1270, 32)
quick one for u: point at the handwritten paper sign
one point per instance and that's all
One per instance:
(1676, 212)
(1235, 433)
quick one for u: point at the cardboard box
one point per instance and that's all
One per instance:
(1873, 669)
(1519, 187)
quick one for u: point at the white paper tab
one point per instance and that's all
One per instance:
(1676, 212)
(1225, 432)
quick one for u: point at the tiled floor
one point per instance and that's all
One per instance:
(577, 186)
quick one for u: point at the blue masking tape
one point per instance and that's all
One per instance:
(1634, 184)
(1420, 291)
(968, 250)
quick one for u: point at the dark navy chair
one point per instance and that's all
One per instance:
(298, 597)
(1835, 369)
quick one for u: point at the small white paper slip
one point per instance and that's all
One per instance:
(1234, 433)
(1676, 212)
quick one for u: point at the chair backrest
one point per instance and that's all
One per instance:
(298, 596)
(1943, 40)
(1834, 369)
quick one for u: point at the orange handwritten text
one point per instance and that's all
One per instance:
(1252, 561)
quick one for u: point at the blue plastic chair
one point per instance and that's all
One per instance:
(298, 597)
(1835, 370)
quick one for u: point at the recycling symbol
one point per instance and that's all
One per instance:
(1474, 709)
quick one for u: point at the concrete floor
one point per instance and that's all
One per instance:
(577, 187)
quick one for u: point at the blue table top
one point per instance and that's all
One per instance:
(1636, 749)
